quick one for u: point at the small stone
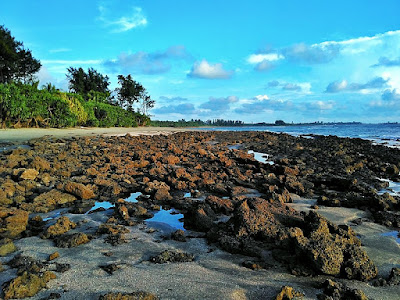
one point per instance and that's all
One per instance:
(171, 256)
(53, 256)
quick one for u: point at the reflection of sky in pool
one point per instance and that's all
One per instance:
(394, 234)
(261, 157)
(133, 197)
(165, 217)
(105, 204)
(51, 217)
(393, 186)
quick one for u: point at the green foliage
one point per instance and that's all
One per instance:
(83, 83)
(107, 115)
(131, 92)
(25, 105)
(16, 63)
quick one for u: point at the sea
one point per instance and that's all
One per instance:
(386, 134)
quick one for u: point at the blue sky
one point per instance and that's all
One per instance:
(256, 61)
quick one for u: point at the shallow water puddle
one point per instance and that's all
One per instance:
(13, 147)
(261, 157)
(234, 147)
(52, 217)
(105, 204)
(167, 217)
(133, 197)
(393, 189)
(394, 234)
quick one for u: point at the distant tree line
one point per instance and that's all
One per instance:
(196, 123)
(89, 101)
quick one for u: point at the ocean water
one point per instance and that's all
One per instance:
(387, 134)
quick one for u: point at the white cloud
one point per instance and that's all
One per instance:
(262, 97)
(206, 70)
(257, 58)
(133, 18)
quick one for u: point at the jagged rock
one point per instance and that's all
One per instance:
(336, 291)
(27, 285)
(71, 240)
(178, 235)
(288, 293)
(79, 190)
(49, 201)
(63, 225)
(29, 174)
(220, 205)
(13, 222)
(6, 247)
(171, 256)
(131, 296)
(200, 217)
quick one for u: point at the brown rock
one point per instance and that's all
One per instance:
(288, 293)
(27, 285)
(13, 222)
(29, 174)
(6, 247)
(63, 225)
(71, 240)
(49, 201)
(54, 255)
(79, 190)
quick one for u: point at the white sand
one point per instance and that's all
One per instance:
(25, 134)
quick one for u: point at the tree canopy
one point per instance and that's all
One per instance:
(82, 83)
(16, 62)
(130, 92)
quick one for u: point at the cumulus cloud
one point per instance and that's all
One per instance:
(325, 52)
(257, 58)
(391, 95)
(344, 86)
(291, 87)
(181, 109)
(261, 104)
(147, 62)
(264, 61)
(219, 104)
(130, 18)
(319, 105)
(264, 66)
(205, 70)
(386, 62)
(312, 54)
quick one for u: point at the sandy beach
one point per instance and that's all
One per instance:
(25, 134)
(214, 273)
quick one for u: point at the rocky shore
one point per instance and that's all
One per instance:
(70, 227)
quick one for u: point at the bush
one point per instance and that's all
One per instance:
(23, 105)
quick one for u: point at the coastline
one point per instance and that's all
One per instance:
(26, 134)
(122, 165)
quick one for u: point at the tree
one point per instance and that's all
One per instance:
(82, 83)
(129, 92)
(16, 62)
